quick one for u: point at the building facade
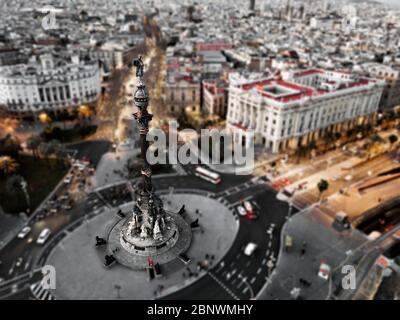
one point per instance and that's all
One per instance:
(182, 86)
(214, 98)
(48, 85)
(391, 76)
(289, 111)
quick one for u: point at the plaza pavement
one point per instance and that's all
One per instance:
(109, 163)
(79, 265)
(322, 243)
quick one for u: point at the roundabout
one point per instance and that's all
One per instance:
(79, 264)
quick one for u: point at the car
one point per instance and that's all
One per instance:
(248, 206)
(241, 211)
(30, 240)
(63, 197)
(25, 230)
(348, 177)
(250, 248)
(271, 229)
(67, 179)
(324, 271)
(18, 262)
(43, 236)
(285, 194)
(251, 216)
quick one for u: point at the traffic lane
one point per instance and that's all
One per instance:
(248, 193)
(254, 268)
(249, 231)
(194, 182)
(204, 288)
(16, 248)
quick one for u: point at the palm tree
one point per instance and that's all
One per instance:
(328, 139)
(301, 152)
(17, 184)
(311, 146)
(59, 151)
(10, 145)
(375, 138)
(8, 165)
(33, 144)
(44, 149)
(323, 185)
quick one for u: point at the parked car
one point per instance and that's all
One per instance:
(43, 236)
(22, 234)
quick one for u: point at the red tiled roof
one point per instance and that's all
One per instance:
(308, 72)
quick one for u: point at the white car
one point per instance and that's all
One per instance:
(271, 229)
(242, 211)
(22, 234)
(68, 179)
(324, 271)
(348, 177)
(43, 236)
(248, 206)
(18, 262)
(250, 248)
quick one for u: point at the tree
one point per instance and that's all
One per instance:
(45, 150)
(9, 145)
(8, 165)
(323, 185)
(393, 139)
(33, 144)
(375, 138)
(328, 139)
(17, 184)
(312, 145)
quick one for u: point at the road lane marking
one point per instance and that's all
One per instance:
(227, 290)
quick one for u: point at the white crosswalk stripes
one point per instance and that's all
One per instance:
(41, 293)
(223, 286)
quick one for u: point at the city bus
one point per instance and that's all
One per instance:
(208, 175)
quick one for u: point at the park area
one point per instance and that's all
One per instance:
(41, 175)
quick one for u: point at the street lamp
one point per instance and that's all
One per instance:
(44, 118)
(24, 187)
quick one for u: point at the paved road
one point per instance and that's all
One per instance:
(239, 276)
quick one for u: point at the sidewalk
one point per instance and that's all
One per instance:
(322, 243)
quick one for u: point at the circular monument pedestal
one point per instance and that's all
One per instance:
(134, 252)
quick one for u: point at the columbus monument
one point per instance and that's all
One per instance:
(148, 233)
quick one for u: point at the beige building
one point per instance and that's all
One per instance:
(298, 107)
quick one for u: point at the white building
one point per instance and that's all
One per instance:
(391, 76)
(298, 107)
(49, 85)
